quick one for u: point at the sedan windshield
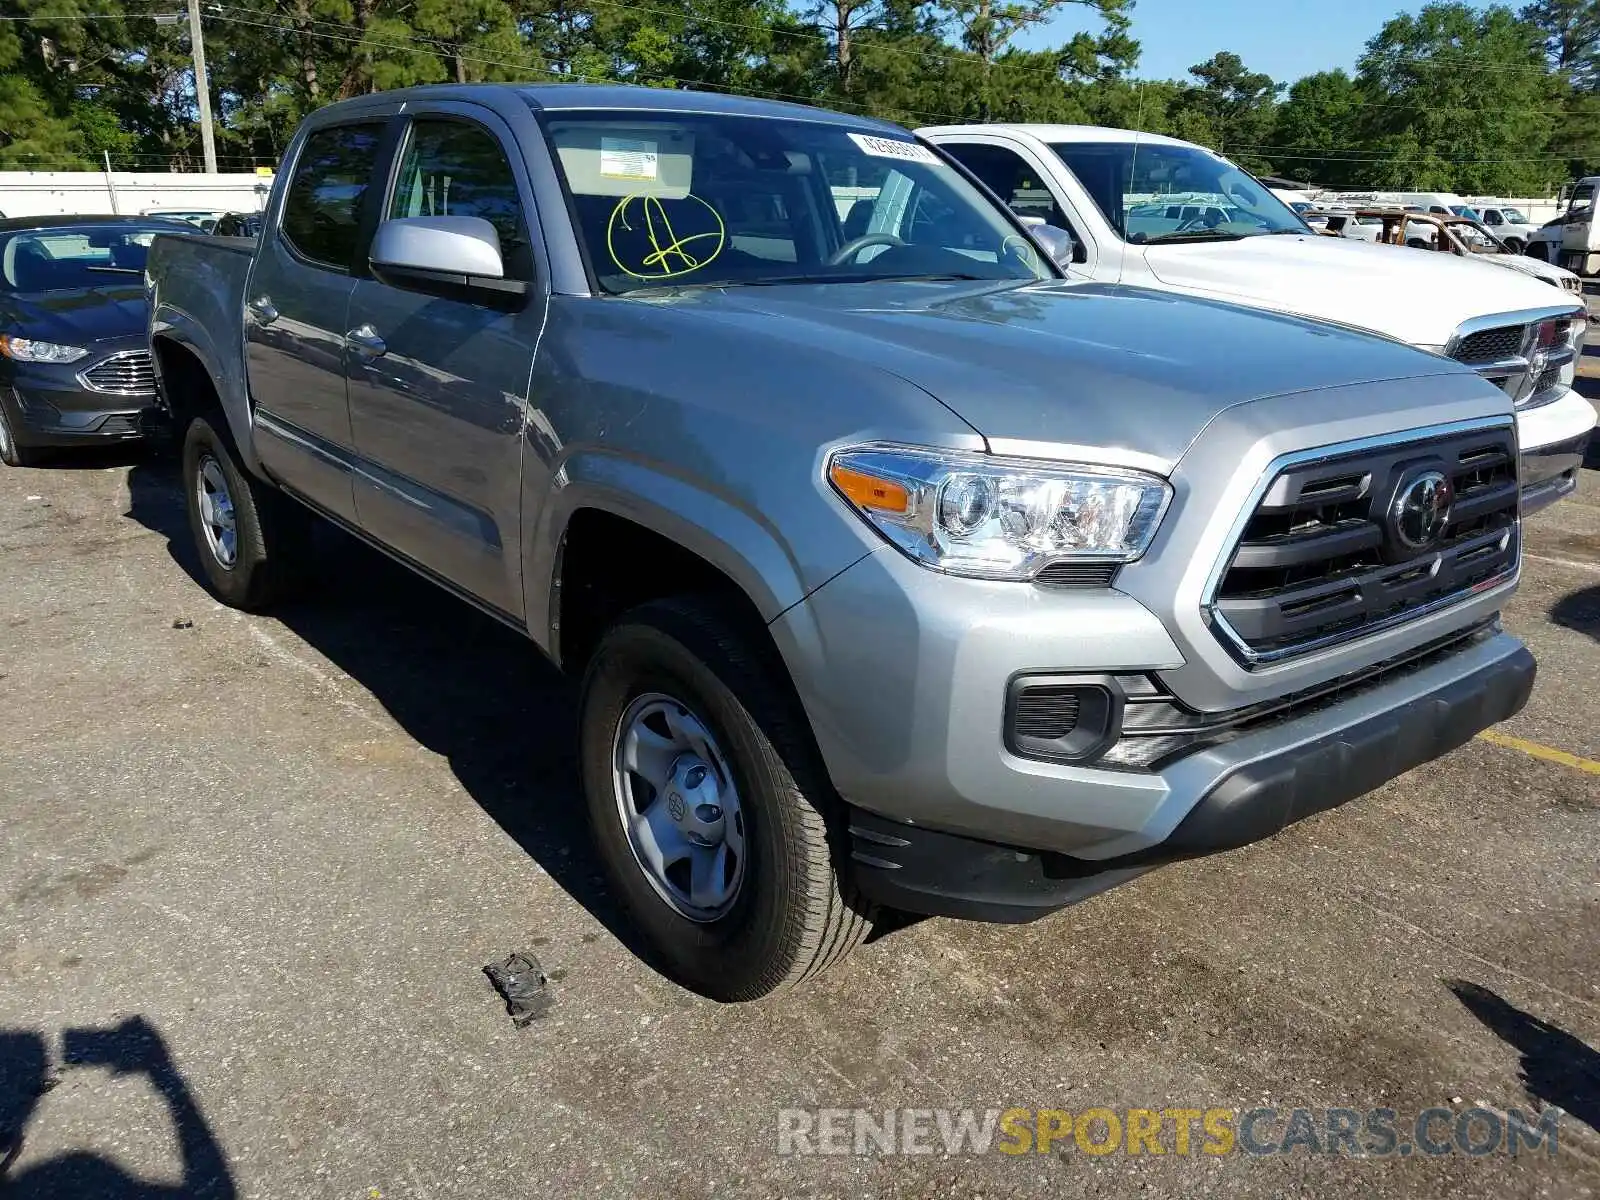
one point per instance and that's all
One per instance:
(71, 258)
(1154, 192)
(666, 200)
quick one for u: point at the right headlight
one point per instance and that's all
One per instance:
(998, 518)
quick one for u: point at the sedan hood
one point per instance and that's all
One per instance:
(1068, 363)
(1417, 296)
(76, 318)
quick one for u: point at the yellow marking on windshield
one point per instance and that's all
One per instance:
(1023, 250)
(669, 255)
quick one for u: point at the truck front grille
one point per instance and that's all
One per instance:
(1490, 345)
(126, 374)
(1508, 355)
(1340, 544)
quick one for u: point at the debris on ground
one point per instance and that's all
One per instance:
(521, 982)
(182, 623)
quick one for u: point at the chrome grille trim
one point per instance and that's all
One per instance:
(1516, 367)
(126, 373)
(1252, 658)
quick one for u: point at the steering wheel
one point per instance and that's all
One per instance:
(1196, 222)
(856, 245)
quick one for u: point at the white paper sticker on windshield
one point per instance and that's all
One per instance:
(881, 147)
(627, 158)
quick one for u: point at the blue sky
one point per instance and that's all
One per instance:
(1284, 38)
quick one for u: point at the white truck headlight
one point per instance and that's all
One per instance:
(30, 350)
(998, 518)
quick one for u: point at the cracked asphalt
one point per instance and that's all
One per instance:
(251, 868)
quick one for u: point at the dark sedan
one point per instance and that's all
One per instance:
(74, 365)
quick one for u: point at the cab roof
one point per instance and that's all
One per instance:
(1063, 133)
(557, 97)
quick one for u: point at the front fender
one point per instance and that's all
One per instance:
(739, 541)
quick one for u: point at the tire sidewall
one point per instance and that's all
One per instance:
(11, 451)
(231, 583)
(723, 958)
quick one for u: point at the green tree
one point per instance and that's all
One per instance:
(1235, 105)
(1571, 31)
(1317, 131)
(1461, 100)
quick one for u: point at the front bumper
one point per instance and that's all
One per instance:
(1375, 739)
(49, 405)
(1553, 439)
(904, 673)
(74, 416)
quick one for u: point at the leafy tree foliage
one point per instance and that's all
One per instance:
(1453, 97)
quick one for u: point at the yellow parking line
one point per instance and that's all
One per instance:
(1536, 750)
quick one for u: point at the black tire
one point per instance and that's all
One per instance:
(796, 914)
(271, 532)
(11, 453)
(1515, 245)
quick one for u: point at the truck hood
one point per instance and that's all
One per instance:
(1415, 296)
(1537, 268)
(1067, 364)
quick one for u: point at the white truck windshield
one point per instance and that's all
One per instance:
(1154, 192)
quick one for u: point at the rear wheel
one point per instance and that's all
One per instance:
(253, 540)
(709, 807)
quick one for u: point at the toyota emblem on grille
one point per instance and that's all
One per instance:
(1421, 510)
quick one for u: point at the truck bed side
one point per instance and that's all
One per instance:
(197, 293)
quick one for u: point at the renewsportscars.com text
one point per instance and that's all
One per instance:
(1356, 1133)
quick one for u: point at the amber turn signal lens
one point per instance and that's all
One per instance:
(868, 491)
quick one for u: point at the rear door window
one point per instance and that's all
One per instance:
(322, 211)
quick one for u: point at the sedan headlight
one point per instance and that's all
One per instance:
(29, 350)
(998, 518)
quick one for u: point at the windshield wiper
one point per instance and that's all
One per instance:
(116, 270)
(1194, 235)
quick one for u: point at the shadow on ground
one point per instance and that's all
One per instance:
(1557, 1068)
(1580, 611)
(460, 683)
(132, 1048)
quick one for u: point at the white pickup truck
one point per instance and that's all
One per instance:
(1169, 215)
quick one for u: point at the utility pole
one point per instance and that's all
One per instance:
(202, 87)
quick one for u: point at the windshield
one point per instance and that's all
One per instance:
(73, 258)
(1514, 216)
(1465, 210)
(673, 200)
(1152, 192)
(1477, 239)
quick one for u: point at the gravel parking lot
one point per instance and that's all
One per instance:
(251, 869)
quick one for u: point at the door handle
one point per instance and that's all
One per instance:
(364, 340)
(262, 309)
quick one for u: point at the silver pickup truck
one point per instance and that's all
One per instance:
(900, 570)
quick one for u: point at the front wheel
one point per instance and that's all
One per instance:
(1537, 250)
(1515, 245)
(253, 540)
(708, 805)
(11, 453)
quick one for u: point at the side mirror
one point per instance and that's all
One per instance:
(1060, 245)
(457, 258)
